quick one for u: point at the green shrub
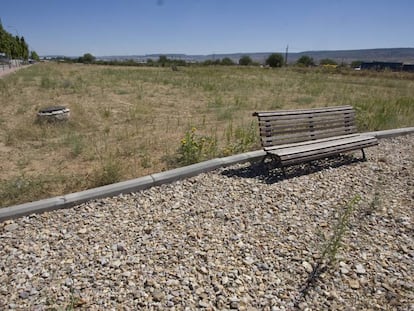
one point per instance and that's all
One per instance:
(108, 172)
(195, 148)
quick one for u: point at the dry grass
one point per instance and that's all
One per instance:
(128, 122)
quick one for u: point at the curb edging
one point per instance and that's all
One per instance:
(145, 182)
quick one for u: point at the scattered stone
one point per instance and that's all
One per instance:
(11, 227)
(157, 295)
(262, 266)
(360, 269)
(354, 284)
(203, 304)
(24, 295)
(308, 267)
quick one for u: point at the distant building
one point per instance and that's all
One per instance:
(408, 67)
(379, 66)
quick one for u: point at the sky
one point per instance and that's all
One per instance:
(140, 27)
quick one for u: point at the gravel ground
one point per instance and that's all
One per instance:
(234, 238)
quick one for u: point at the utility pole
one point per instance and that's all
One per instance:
(286, 55)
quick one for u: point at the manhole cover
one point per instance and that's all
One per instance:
(53, 113)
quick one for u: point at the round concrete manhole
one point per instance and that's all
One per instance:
(53, 113)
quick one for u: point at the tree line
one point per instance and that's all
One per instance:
(274, 60)
(15, 47)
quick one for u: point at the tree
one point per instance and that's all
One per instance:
(87, 58)
(245, 60)
(327, 61)
(305, 61)
(226, 61)
(275, 60)
(24, 49)
(162, 59)
(34, 56)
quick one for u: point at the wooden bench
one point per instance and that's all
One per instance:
(297, 136)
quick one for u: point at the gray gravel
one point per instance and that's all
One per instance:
(234, 238)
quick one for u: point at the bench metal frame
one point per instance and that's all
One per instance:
(291, 137)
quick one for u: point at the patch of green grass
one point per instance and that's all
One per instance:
(108, 172)
(27, 188)
(76, 144)
(378, 114)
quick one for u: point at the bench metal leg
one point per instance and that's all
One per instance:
(283, 171)
(364, 158)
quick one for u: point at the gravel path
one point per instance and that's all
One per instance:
(234, 238)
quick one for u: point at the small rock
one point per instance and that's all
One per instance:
(24, 294)
(127, 274)
(68, 282)
(157, 295)
(248, 261)
(82, 231)
(116, 263)
(234, 305)
(203, 304)
(120, 248)
(263, 266)
(45, 275)
(308, 267)
(11, 227)
(360, 269)
(344, 270)
(354, 284)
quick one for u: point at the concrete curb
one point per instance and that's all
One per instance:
(392, 133)
(145, 182)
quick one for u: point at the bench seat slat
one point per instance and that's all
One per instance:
(309, 142)
(322, 155)
(344, 143)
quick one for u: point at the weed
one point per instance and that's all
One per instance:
(108, 172)
(330, 248)
(195, 148)
(333, 245)
(47, 83)
(217, 102)
(75, 143)
(106, 112)
(23, 187)
(145, 160)
(241, 139)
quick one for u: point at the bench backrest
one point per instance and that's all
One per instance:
(291, 126)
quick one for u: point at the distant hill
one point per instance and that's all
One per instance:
(405, 55)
